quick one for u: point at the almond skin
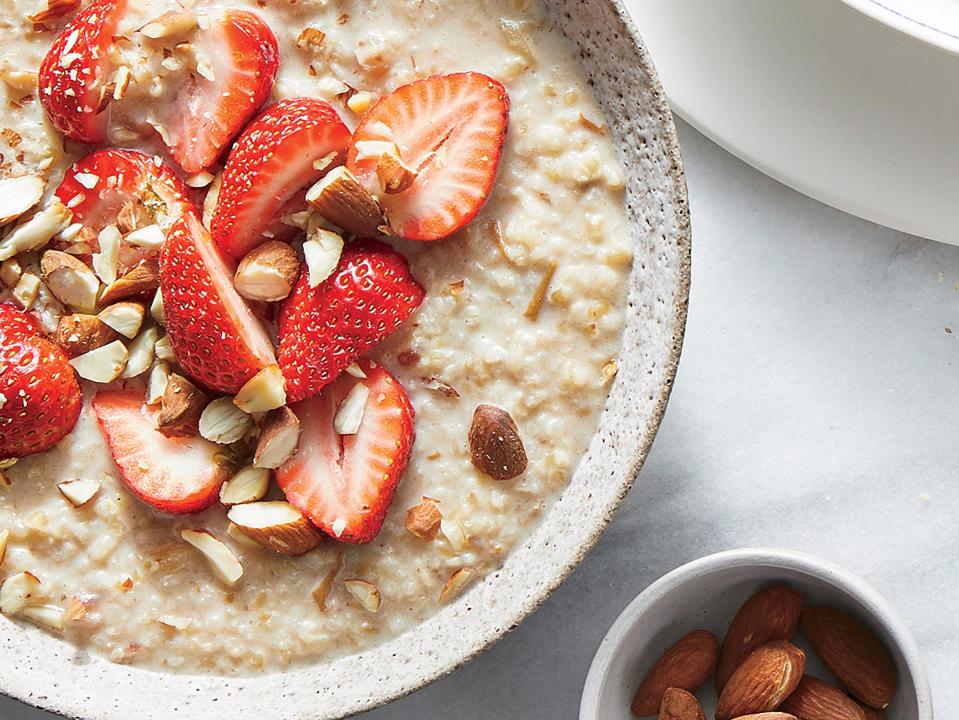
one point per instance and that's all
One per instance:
(763, 681)
(685, 665)
(78, 334)
(815, 699)
(496, 448)
(769, 615)
(852, 653)
(679, 704)
(872, 713)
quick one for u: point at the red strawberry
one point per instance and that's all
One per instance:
(323, 329)
(270, 163)
(450, 128)
(215, 336)
(344, 483)
(173, 475)
(206, 115)
(121, 176)
(75, 70)
(39, 395)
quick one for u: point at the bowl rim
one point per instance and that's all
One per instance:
(911, 27)
(776, 558)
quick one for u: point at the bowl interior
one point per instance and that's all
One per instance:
(707, 594)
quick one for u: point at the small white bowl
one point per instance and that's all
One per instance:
(706, 594)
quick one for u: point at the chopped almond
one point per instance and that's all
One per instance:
(264, 391)
(268, 272)
(226, 568)
(539, 297)
(80, 491)
(342, 200)
(456, 582)
(124, 317)
(37, 230)
(18, 195)
(70, 281)
(277, 526)
(248, 485)
(366, 592)
(278, 439)
(78, 334)
(103, 365)
(424, 520)
(141, 280)
(181, 406)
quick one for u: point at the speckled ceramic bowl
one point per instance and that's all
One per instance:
(706, 594)
(43, 671)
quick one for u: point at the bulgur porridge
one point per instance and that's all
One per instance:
(495, 337)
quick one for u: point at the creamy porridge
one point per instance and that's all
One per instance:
(523, 310)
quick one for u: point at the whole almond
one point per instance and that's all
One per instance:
(815, 699)
(685, 665)
(495, 445)
(763, 681)
(775, 715)
(679, 704)
(852, 653)
(770, 614)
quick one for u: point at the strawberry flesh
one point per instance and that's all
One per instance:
(173, 475)
(270, 164)
(451, 129)
(75, 70)
(206, 115)
(324, 329)
(214, 334)
(344, 483)
(40, 397)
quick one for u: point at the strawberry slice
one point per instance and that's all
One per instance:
(173, 475)
(118, 177)
(271, 162)
(76, 69)
(324, 329)
(242, 55)
(450, 129)
(39, 395)
(214, 335)
(344, 483)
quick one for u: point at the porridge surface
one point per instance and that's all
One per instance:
(150, 598)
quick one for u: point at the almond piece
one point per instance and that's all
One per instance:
(321, 593)
(164, 349)
(267, 272)
(174, 25)
(53, 10)
(4, 539)
(141, 280)
(356, 371)
(349, 415)
(124, 317)
(209, 200)
(70, 281)
(102, 365)
(342, 200)
(18, 195)
(26, 290)
(687, 664)
(159, 379)
(140, 353)
(852, 653)
(366, 592)
(78, 334)
(455, 534)
(424, 520)
(248, 485)
(180, 409)
(276, 525)
(10, 272)
(279, 437)
(156, 309)
(763, 681)
(80, 491)
(496, 448)
(264, 391)
(106, 263)
(49, 616)
(394, 175)
(770, 614)
(37, 230)
(678, 704)
(17, 591)
(815, 699)
(223, 422)
(775, 715)
(456, 582)
(226, 568)
(322, 254)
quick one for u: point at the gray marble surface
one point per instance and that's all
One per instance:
(816, 408)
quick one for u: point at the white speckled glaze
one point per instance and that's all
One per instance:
(44, 671)
(706, 594)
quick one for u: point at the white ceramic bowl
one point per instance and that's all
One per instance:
(706, 594)
(934, 22)
(39, 669)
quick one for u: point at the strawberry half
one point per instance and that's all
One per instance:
(450, 129)
(270, 163)
(76, 69)
(119, 176)
(214, 335)
(173, 475)
(344, 483)
(324, 329)
(206, 115)
(39, 395)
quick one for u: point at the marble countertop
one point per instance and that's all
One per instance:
(816, 408)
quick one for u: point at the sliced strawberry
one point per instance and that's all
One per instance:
(173, 475)
(323, 329)
(215, 336)
(119, 176)
(271, 162)
(450, 129)
(241, 52)
(39, 395)
(76, 69)
(344, 483)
